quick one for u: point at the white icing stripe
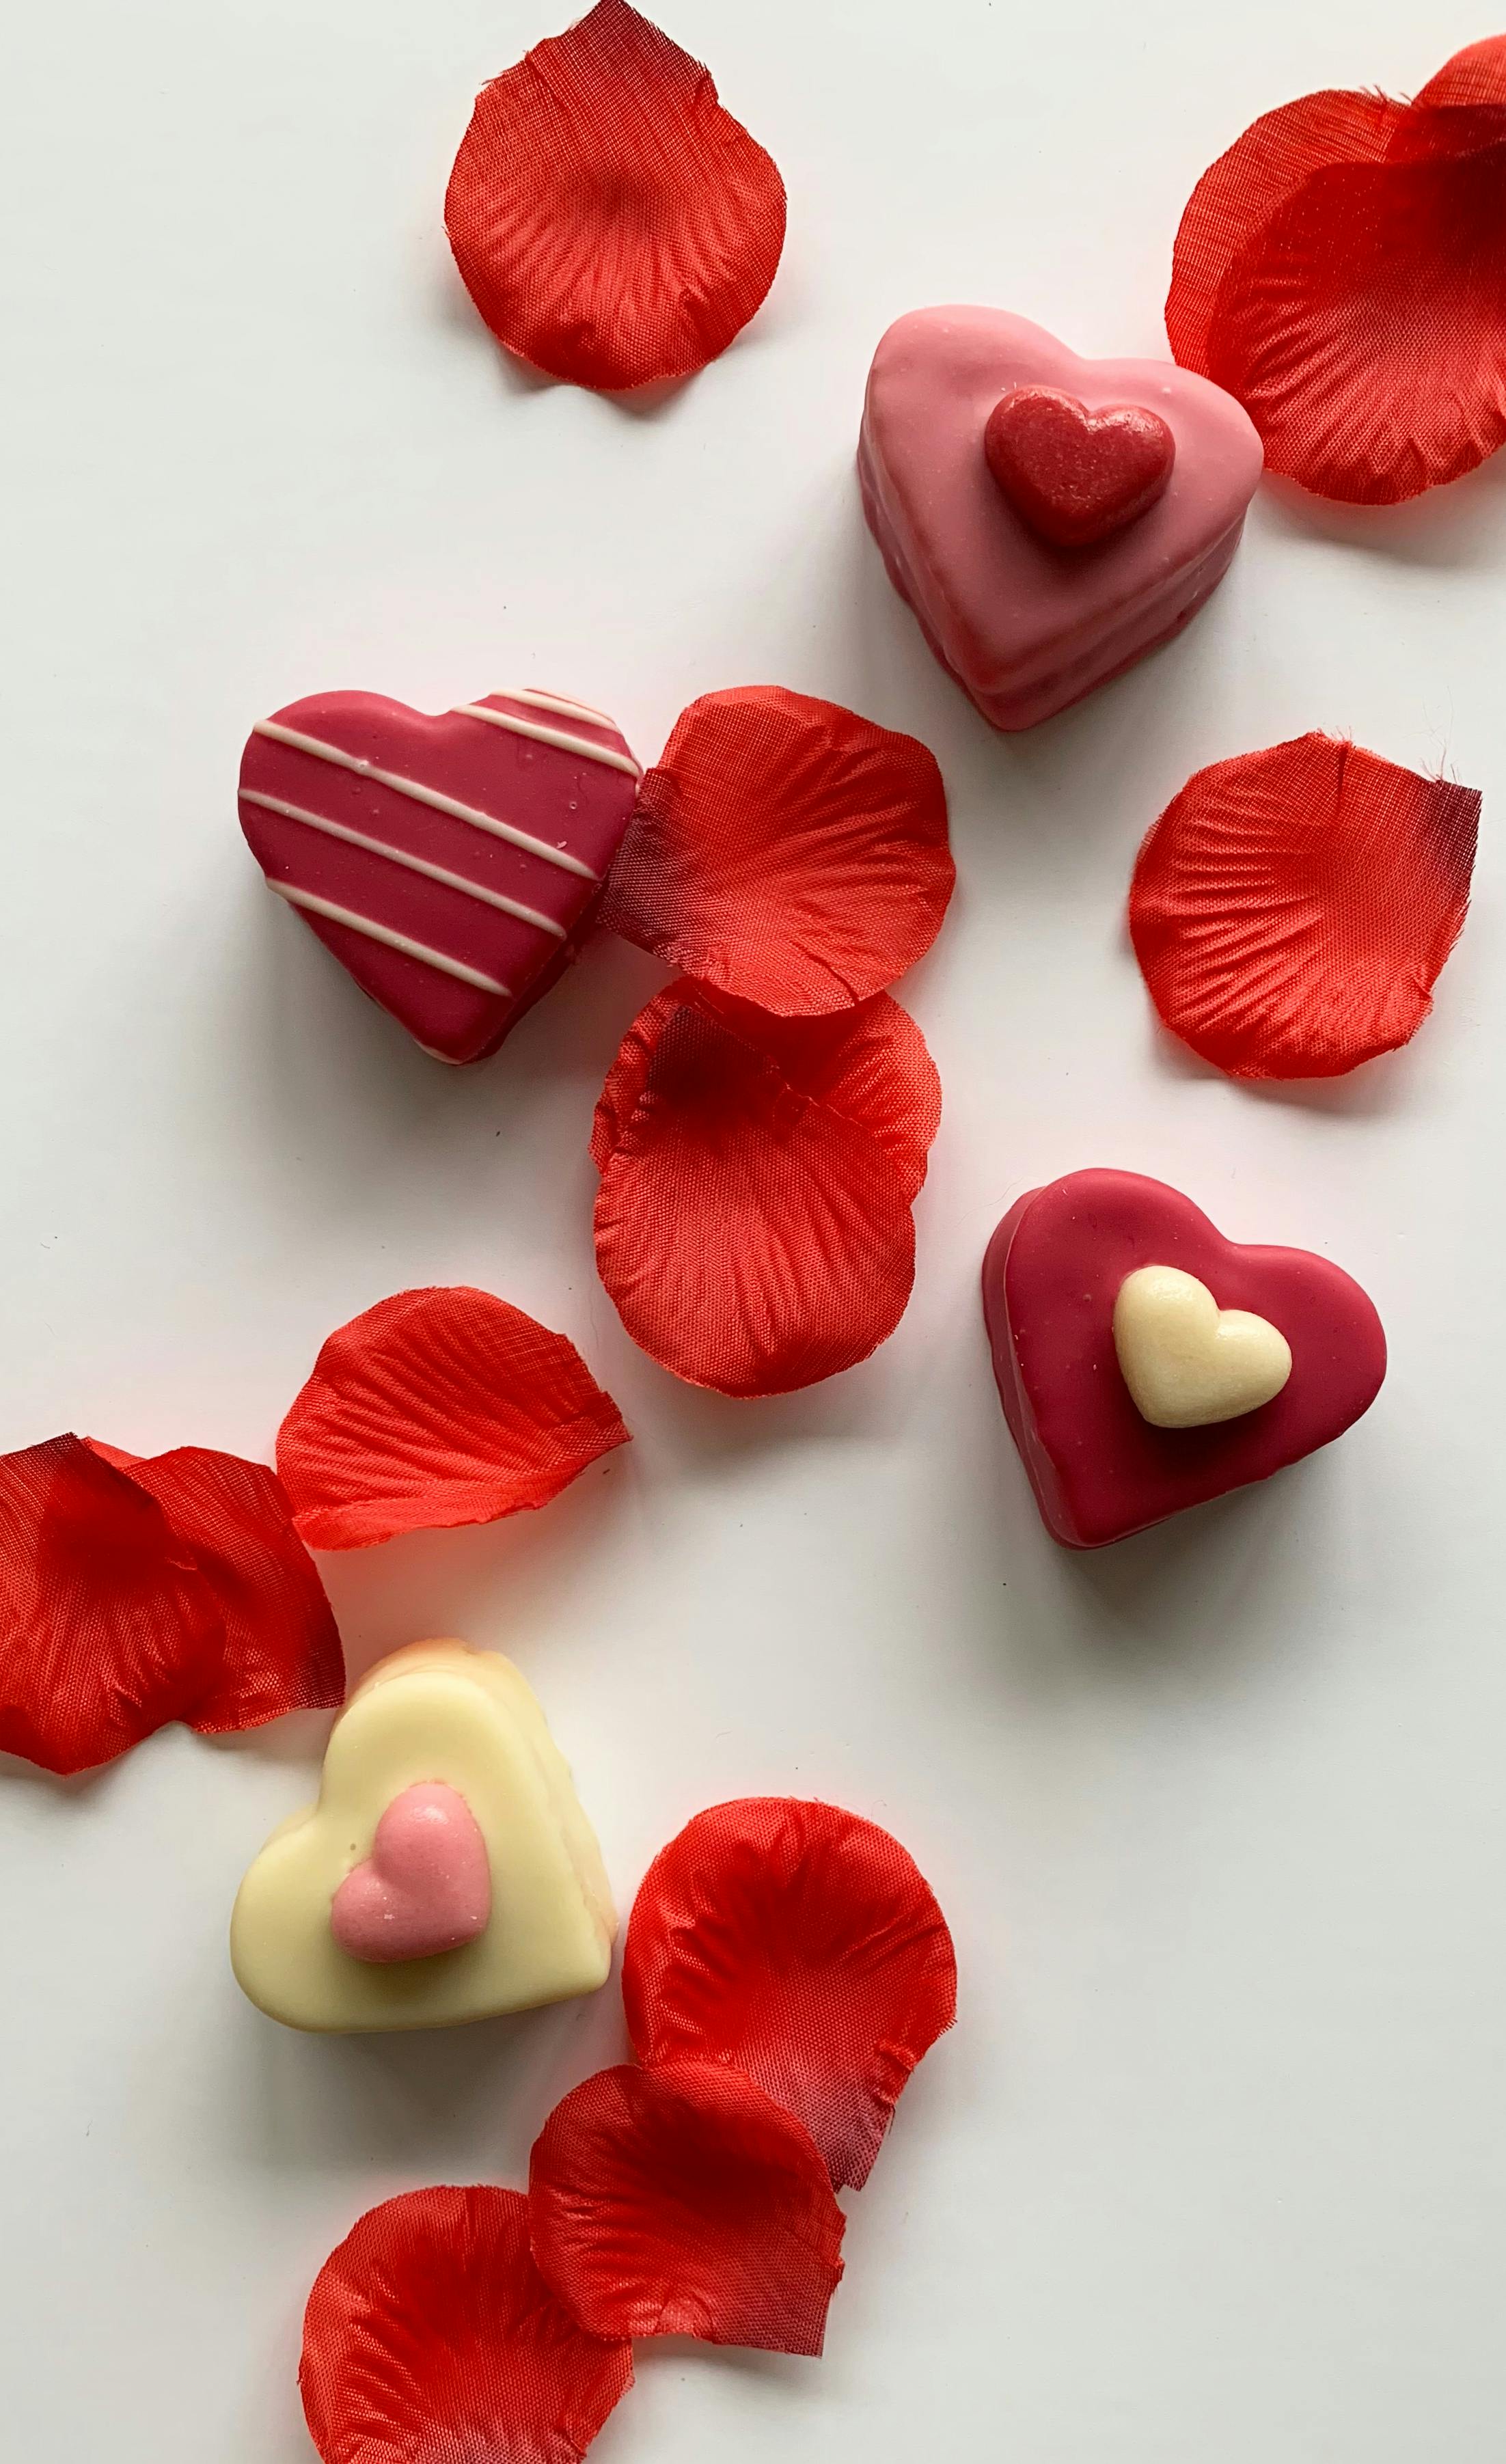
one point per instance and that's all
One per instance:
(556, 702)
(421, 795)
(613, 760)
(411, 863)
(437, 959)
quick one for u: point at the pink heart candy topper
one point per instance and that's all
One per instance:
(1076, 476)
(426, 1886)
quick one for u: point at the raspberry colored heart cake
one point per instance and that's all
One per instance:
(1050, 520)
(452, 864)
(1146, 1364)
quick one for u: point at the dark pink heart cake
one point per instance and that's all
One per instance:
(1052, 1280)
(452, 863)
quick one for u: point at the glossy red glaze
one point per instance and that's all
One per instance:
(1050, 1279)
(1076, 476)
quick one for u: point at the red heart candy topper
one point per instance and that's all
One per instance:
(1076, 476)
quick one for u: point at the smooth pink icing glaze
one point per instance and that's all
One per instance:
(1023, 627)
(426, 1886)
(1050, 1281)
(559, 796)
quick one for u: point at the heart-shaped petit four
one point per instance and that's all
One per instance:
(426, 1886)
(500, 1905)
(1107, 1298)
(961, 492)
(452, 862)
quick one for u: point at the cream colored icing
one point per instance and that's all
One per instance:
(514, 726)
(438, 1711)
(558, 704)
(401, 856)
(335, 754)
(388, 936)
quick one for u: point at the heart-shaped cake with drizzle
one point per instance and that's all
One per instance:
(1146, 1364)
(452, 864)
(1050, 520)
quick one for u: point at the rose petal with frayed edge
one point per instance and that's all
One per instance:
(430, 2334)
(682, 2201)
(439, 1407)
(134, 1594)
(1473, 76)
(753, 1237)
(281, 1647)
(1291, 909)
(108, 1632)
(1238, 195)
(1339, 270)
(786, 852)
(869, 1063)
(803, 1945)
(612, 222)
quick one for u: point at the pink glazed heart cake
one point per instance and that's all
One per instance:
(1049, 519)
(451, 864)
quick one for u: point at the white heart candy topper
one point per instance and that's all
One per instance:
(1186, 1362)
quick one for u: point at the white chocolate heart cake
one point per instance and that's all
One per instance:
(441, 1753)
(1186, 1362)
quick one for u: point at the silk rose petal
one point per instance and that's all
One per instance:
(802, 1944)
(133, 1593)
(434, 1408)
(1339, 270)
(1291, 909)
(107, 1631)
(612, 222)
(786, 852)
(755, 1235)
(430, 2334)
(869, 1063)
(281, 1648)
(682, 2201)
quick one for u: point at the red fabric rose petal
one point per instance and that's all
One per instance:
(434, 1408)
(1238, 195)
(129, 1596)
(1291, 910)
(870, 1064)
(281, 1646)
(612, 222)
(1476, 75)
(753, 1222)
(1338, 269)
(682, 2201)
(430, 2337)
(786, 851)
(803, 1945)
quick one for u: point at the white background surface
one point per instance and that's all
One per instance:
(1212, 2168)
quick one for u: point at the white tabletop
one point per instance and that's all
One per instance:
(1212, 2168)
